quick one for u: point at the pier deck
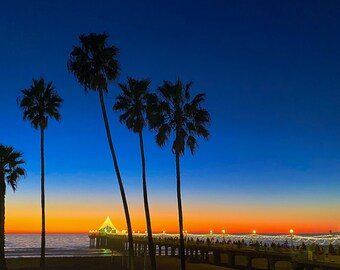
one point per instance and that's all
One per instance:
(220, 253)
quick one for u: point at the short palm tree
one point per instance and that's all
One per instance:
(39, 103)
(132, 102)
(10, 172)
(174, 114)
(95, 65)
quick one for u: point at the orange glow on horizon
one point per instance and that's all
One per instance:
(71, 227)
(80, 217)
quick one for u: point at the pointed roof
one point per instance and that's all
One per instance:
(108, 226)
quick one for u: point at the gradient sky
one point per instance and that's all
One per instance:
(271, 73)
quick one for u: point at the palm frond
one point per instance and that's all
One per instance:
(182, 117)
(163, 134)
(94, 63)
(192, 144)
(10, 161)
(133, 103)
(40, 102)
(187, 92)
(198, 99)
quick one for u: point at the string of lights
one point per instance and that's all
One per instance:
(322, 239)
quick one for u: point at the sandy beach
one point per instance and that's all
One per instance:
(107, 262)
(100, 263)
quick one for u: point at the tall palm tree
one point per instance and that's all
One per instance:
(94, 64)
(10, 172)
(39, 103)
(174, 114)
(133, 102)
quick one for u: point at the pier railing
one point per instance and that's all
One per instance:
(213, 248)
(249, 239)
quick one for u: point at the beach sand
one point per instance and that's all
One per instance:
(115, 262)
(100, 263)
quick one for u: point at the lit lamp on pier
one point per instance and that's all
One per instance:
(223, 232)
(291, 231)
(211, 232)
(254, 235)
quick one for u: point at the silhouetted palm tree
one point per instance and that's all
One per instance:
(174, 114)
(10, 172)
(94, 64)
(132, 102)
(41, 102)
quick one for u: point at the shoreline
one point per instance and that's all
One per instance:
(57, 252)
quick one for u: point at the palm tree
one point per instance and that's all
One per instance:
(39, 103)
(95, 65)
(10, 172)
(132, 102)
(174, 114)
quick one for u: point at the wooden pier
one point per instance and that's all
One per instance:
(218, 253)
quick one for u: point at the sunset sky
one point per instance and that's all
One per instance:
(271, 73)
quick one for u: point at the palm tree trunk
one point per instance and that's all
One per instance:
(180, 215)
(121, 187)
(42, 254)
(146, 207)
(2, 222)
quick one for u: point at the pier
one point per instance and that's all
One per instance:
(221, 253)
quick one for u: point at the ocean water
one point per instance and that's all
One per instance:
(66, 245)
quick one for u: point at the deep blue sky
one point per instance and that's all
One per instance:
(270, 70)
